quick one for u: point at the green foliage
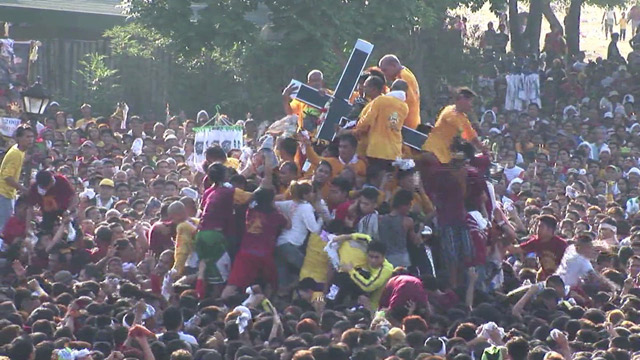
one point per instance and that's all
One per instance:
(136, 40)
(100, 82)
(227, 57)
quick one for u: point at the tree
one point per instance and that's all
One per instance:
(244, 59)
(100, 81)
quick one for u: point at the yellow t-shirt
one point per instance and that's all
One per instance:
(359, 167)
(382, 125)
(363, 142)
(413, 98)
(232, 163)
(82, 123)
(185, 243)
(450, 124)
(623, 24)
(315, 262)
(11, 167)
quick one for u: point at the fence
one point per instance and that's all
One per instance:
(59, 61)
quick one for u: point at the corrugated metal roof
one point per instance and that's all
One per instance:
(101, 7)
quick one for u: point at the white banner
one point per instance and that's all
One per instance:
(8, 126)
(227, 137)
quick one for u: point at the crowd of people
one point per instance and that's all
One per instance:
(511, 234)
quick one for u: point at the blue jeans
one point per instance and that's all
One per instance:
(6, 210)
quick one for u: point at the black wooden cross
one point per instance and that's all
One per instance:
(339, 106)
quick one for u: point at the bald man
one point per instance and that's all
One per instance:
(393, 70)
(315, 79)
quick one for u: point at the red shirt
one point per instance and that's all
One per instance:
(160, 239)
(262, 231)
(341, 211)
(218, 210)
(446, 186)
(549, 253)
(401, 289)
(98, 253)
(58, 198)
(479, 239)
(14, 228)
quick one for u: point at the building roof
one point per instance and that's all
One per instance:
(98, 7)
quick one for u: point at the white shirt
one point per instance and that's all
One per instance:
(610, 17)
(573, 267)
(303, 221)
(512, 173)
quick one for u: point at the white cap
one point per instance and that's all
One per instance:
(633, 170)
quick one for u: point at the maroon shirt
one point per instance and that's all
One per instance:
(446, 187)
(218, 210)
(161, 237)
(549, 253)
(262, 230)
(58, 198)
(401, 289)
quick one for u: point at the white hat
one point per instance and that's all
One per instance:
(608, 114)
(633, 170)
(628, 99)
(189, 192)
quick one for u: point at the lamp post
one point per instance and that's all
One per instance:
(35, 100)
(196, 7)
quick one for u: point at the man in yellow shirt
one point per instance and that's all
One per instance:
(382, 125)
(347, 158)
(353, 281)
(393, 70)
(86, 117)
(10, 171)
(186, 229)
(315, 79)
(453, 121)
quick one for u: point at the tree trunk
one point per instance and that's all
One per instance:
(550, 15)
(534, 25)
(572, 27)
(514, 27)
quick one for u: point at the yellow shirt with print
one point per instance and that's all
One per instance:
(363, 142)
(382, 125)
(450, 124)
(185, 243)
(413, 98)
(11, 168)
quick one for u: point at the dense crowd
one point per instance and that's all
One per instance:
(512, 234)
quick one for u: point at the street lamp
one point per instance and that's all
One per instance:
(196, 7)
(35, 99)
